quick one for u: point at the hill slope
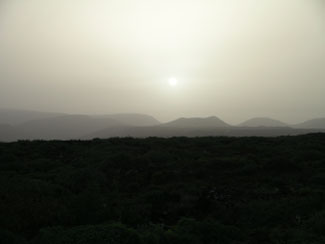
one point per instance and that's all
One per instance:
(132, 119)
(265, 122)
(65, 127)
(313, 123)
(15, 116)
(208, 122)
(10, 133)
(26, 124)
(161, 131)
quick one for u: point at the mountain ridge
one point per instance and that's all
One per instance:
(211, 121)
(263, 122)
(61, 126)
(318, 123)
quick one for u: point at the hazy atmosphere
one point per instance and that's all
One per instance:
(230, 58)
(162, 121)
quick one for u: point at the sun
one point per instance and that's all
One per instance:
(172, 81)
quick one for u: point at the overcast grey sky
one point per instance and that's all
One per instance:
(235, 59)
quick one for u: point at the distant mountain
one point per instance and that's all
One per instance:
(312, 124)
(65, 127)
(26, 124)
(132, 119)
(22, 124)
(263, 122)
(15, 116)
(10, 133)
(164, 131)
(209, 122)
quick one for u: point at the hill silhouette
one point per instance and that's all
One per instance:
(212, 121)
(167, 132)
(132, 119)
(10, 133)
(261, 121)
(16, 116)
(52, 126)
(31, 125)
(65, 127)
(318, 123)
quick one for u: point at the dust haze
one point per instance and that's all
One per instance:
(234, 59)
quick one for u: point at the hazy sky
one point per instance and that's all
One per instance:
(235, 59)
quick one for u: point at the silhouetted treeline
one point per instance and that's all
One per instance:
(155, 191)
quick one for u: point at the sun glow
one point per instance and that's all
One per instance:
(173, 81)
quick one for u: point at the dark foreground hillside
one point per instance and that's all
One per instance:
(154, 191)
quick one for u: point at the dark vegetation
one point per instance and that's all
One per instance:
(154, 191)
